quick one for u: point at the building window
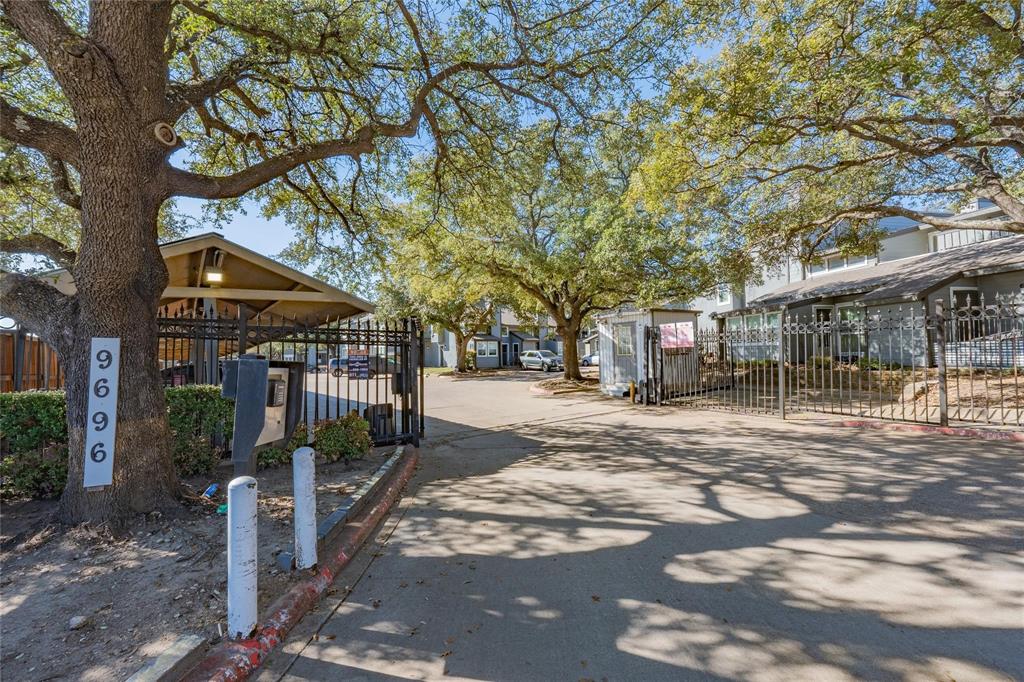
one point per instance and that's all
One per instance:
(852, 336)
(772, 320)
(952, 239)
(504, 331)
(835, 263)
(622, 334)
(487, 349)
(724, 294)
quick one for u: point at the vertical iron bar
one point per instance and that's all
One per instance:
(940, 360)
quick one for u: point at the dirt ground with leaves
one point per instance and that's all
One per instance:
(90, 604)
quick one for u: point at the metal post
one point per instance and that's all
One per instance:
(304, 491)
(420, 414)
(940, 360)
(413, 381)
(782, 363)
(242, 568)
(243, 328)
(19, 359)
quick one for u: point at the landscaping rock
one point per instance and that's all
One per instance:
(78, 622)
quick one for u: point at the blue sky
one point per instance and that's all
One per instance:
(250, 229)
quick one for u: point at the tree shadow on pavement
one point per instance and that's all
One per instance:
(724, 548)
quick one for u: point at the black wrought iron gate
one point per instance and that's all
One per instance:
(372, 368)
(900, 363)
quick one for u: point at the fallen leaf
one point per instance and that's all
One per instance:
(595, 597)
(446, 654)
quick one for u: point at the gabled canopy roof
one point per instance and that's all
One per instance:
(261, 284)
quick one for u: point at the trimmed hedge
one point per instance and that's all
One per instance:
(32, 421)
(268, 458)
(33, 437)
(201, 422)
(345, 438)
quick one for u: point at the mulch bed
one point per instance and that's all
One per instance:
(562, 384)
(137, 590)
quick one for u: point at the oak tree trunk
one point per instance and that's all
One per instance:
(120, 276)
(461, 344)
(119, 272)
(570, 352)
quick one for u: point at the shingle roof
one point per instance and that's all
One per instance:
(902, 279)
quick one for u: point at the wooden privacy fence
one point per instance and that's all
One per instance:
(26, 363)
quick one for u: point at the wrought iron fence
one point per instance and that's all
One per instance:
(385, 386)
(899, 363)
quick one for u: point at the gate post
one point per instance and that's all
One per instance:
(940, 360)
(413, 371)
(648, 347)
(782, 363)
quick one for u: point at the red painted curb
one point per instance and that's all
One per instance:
(964, 432)
(233, 661)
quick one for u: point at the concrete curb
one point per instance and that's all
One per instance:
(233, 661)
(963, 432)
(183, 654)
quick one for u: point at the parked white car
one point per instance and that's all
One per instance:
(589, 360)
(544, 360)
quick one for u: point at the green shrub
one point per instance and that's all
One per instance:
(876, 364)
(40, 474)
(344, 438)
(32, 420)
(201, 422)
(470, 359)
(268, 458)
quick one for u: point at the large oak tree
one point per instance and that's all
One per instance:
(283, 100)
(551, 222)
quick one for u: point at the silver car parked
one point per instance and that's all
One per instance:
(544, 360)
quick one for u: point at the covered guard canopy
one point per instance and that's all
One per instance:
(210, 268)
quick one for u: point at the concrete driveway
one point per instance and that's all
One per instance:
(572, 538)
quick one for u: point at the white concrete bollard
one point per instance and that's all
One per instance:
(242, 568)
(304, 484)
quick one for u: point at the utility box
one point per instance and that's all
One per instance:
(275, 414)
(268, 405)
(381, 418)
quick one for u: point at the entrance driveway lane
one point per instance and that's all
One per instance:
(656, 544)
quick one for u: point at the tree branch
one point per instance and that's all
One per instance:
(39, 244)
(39, 307)
(62, 183)
(49, 137)
(185, 183)
(938, 222)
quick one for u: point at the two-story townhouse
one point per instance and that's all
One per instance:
(496, 345)
(916, 265)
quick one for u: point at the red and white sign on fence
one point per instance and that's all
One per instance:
(677, 334)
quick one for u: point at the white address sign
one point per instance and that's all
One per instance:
(101, 419)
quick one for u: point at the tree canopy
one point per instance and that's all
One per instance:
(552, 224)
(423, 281)
(306, 106)
(818, 118)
